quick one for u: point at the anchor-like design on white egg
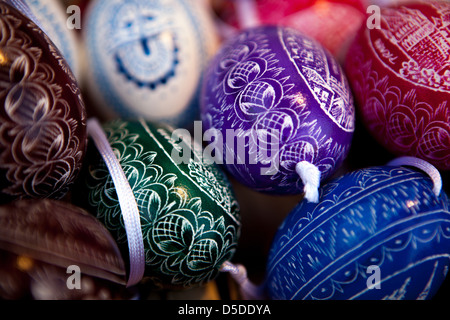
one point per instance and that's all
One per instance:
(144, 47)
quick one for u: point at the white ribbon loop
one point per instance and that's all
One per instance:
(247, 13)
(423, 165)
(248, 290)
(127, 201)
(310, 176)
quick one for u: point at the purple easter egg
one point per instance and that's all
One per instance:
(279, 100)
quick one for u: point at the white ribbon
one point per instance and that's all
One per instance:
(310, 176)
(248, 290)
(127, 201)
(247, 13)
(423, 165)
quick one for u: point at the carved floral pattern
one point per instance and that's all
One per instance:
(400, 76)
(275, 98)
(42, 131)
(185, 242)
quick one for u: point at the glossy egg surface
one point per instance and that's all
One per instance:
(43, 126)
(189, 216)
(381, 219)
(400, 75)
(285, 99)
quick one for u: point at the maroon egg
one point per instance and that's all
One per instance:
(42, 116)
(44, 242)
(400, 75)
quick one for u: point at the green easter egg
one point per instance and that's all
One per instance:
(189, 215)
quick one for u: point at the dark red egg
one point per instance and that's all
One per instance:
(53, 250)
(400, 75)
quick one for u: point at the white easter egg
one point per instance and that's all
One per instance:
(146, 58)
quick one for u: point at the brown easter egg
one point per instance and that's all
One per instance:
(42, 115)
(44, 242)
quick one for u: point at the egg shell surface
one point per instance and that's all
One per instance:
(51, 17)
(400, 76)
(288, 97)
(189, 216)
(146, 58)
(382, 218)
(43, 122)
(41, 240)
(60, 234)
(333, 23)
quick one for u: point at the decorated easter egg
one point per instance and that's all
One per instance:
(51, 17)
(42, 119)
(280, 103)
(331, 22)
(189, 218)
(400, 75)
(146, 58)
(44, 242)
(377, 233)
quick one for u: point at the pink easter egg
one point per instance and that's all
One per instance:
(400, 76)
(333, 23)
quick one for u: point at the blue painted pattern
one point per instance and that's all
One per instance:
(141, 61)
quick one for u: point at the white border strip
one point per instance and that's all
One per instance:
(127, 201)
(247, 13)
(424, 166)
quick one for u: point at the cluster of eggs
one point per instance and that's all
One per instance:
(278, 99)
(188, 216)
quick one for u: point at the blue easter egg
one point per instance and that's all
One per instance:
(377, 233)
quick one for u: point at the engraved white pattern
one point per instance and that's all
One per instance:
(184, 243)
(332, 244)
(401, 119)
(38, 146)
(331, 93)
(255, 93)
(425, 42)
